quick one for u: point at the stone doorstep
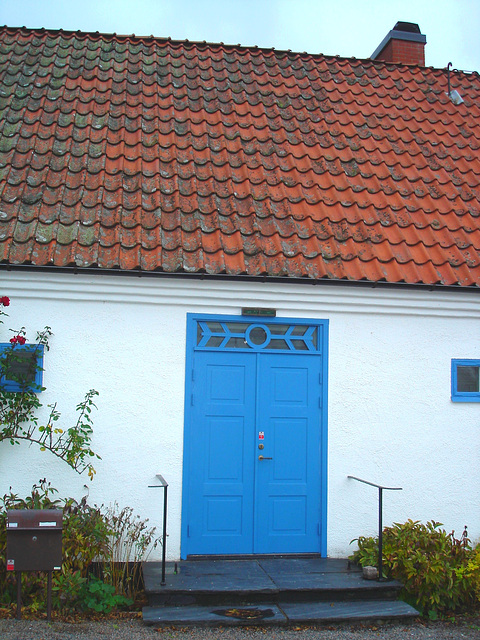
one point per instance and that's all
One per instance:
(260, 576)
(283, 613)
(269, 592)
(212, 582)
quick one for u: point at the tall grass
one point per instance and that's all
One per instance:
(131, 542)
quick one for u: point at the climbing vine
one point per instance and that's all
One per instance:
(19, 403)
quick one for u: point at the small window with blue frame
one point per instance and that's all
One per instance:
(21, 368)
(465, 380)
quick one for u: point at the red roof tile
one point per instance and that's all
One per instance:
(143, 153)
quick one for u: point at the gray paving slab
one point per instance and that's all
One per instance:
(209, 576)
(352, 611)
(283, 613)
(328, 582)
(305, 566)
(214, 616)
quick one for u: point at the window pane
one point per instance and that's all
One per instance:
(467, 379)
(299, 345)
(216, 341)
(299, 330)
(20, 369)
(258, 335)
(278, 329)
(278, 344)
(21, 366)
(236, 327)
(237, 343)
(215, 327)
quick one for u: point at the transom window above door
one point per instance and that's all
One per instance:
(257, 336)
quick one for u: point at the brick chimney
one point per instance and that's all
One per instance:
(403, 44)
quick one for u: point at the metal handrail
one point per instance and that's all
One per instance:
(380, 488)
(163, 485)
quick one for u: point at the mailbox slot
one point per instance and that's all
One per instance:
(34, 539)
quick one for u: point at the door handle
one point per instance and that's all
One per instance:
(264, 458)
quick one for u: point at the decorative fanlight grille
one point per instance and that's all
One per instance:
(257, 336)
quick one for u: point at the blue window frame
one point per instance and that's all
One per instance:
(21, 367)
(465, 380)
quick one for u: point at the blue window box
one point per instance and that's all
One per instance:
(21, 367)
(466, 380)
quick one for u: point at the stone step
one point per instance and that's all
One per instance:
(209, 583)
(268, 591)
(282, 613)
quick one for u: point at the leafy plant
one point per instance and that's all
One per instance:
(439, 572)
(101, 597)
(131, 541)
(67, 590)
(85, 537)
(18, 409)
(114, 538)
(367, 553)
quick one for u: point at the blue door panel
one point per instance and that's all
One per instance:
(220, 487)
(288, 487)
(288, 516)
(290, 462)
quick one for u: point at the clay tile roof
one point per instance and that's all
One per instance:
(120, 152)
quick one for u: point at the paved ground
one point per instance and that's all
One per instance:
(135, 630)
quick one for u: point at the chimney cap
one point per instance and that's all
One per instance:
(408, 27)
(409, 31)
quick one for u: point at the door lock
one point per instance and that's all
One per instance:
(264, 458)
(260, 446)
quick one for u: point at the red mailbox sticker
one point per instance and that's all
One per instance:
(10, 565)
(261, 435)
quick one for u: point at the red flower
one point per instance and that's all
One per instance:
(18, 340)
(5, 301)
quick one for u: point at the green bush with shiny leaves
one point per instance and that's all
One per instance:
(440, 573)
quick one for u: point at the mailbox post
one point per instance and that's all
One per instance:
(34, 543)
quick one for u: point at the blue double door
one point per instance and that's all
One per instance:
(254, 454)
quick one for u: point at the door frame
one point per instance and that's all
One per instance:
(191, 332)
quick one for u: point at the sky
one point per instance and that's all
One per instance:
(350, 28)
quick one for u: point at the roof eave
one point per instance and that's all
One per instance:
(244, 277)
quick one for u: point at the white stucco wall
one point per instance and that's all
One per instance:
(390, 421)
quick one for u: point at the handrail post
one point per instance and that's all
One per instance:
(380, 523)
(164, 542)
(380, 533)
(163, 485)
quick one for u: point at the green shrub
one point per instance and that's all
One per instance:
(85, 528)
(86, 534)
(67, 590)
(100, 597)
(115, 539)
(439, 572)
(367, 553)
